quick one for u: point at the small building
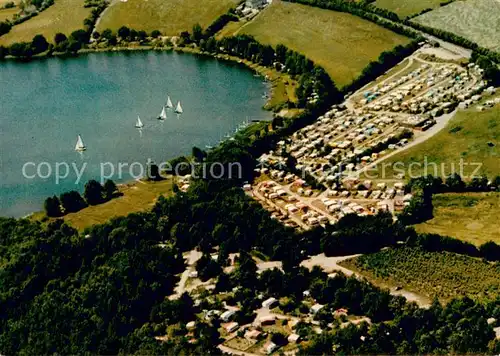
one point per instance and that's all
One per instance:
(270, 347)
(316, 308)
(293, 338)
(227, 315)
(232, 327)
(267, 320)
(252, 334)
(269, 302)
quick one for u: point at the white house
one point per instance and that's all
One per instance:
(268, 302)
(226, 316)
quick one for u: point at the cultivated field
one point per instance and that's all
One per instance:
(471, 137)
(442, 274)
(64, 16)
(406, 8)
(477, 20)
(341, 43)
(171, 17)
(471, 217)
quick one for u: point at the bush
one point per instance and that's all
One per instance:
(155, 33)
(52, 206)
(72, 201)
(93, 192)
(110, 189)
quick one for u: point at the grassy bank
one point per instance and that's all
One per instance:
(341, 43)
(64, 16)
(171, 17)
(283, 86)
(471, 217)
(137, 197)
(442, 274)
(471, 136)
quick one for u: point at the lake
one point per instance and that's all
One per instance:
(45, 104)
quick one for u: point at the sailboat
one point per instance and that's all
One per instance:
(169, 103)
(178, 109)
(80, 147)
(163, 114)
(139, 123)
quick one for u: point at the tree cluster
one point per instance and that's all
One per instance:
(70, 202)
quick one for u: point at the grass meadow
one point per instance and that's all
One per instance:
(406, 8)
(341, 43)
(171, 17)
(136, 197)
(8, 14)
(64, 16)
(471, 217)
(471, 136)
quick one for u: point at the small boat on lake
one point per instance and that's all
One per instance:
(163, 114)
(80, 146)
(178, 109)
(169, 103)
(139, 123)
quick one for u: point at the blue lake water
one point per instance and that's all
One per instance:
(45, 104)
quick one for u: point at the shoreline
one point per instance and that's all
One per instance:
(264, 72)
(40, 214)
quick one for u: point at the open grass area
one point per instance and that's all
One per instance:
(471, 136)
(8, 14)
(471, 217)
(442, 274)
(341, 43)
(64, 16)
(477, 20)
(140, 196)
(171, 17)
(406, 8)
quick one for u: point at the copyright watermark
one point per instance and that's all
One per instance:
(62, 171)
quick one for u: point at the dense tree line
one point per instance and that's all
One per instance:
(61, 292)
(312, 78)
(491, 71)
(459, 327)
(72, 201)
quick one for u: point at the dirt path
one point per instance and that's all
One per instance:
(191, 258)
(112, 2)
(231, 351)
(331, 264)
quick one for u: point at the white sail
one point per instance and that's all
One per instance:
(178, 109)
(80, 146)
(139, 123)
(169, 103)
(163, 114)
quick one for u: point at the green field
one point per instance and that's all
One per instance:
(471, 217)
(64, 16)
(442, 274)
(8, 14)
(406, 8)
(477, 20)
(341, 43)
(137, 197)
(171, 17)
(471, 136)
